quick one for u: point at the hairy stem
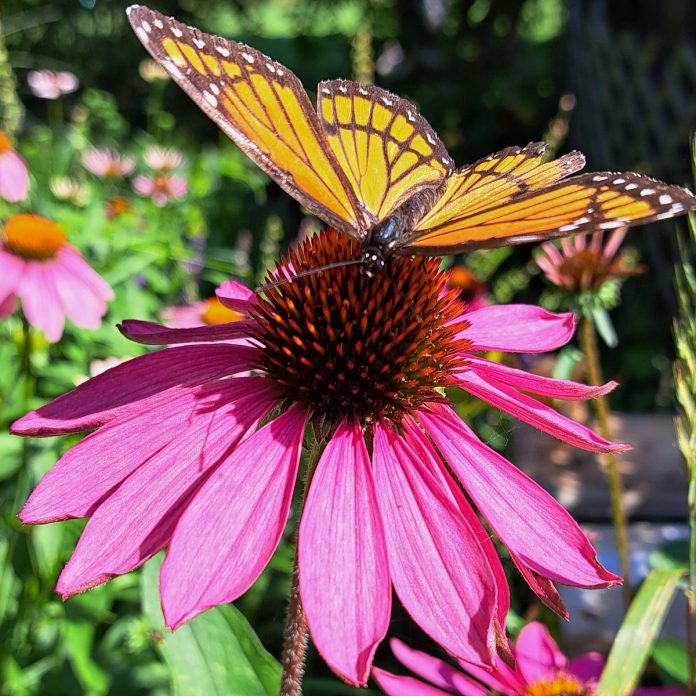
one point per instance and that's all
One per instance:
(588, 343)
(296, 633)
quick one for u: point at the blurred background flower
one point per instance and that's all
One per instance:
(50, 84)
(107, 163)
(161, 188)
(162, 159)
(14, 174)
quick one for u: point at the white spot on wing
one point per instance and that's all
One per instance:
(224, 52)
(248, 57)
(599, 177)
(142, 35)
(210, 98)
(568, 228)
(171, 68)
(647, 192)
(665, 199)
(664, 216)
(325, 90)
(631, 187)
(410, 115)
(429, 138)
(619, 181)
(388, 102)
(582, 221)
(158, 23)
(609, 225)
(177, 32)
(362, 91)
(146, 26)
(281, 72)
(199, 43)
(214, 88)
(271, 67)
(342, 88)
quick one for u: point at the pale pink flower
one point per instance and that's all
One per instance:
(208, 312)
(49, 84)
(541, 670)
(107, 163)
(14, 174)
(586, 262)
(161, 188)
(162, 159)
(97, 367)
(49, 276)
(365, 360)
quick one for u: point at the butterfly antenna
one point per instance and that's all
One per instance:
(284, 281)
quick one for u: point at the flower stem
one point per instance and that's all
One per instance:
(588, 343)
(296, 633)
(691, 583)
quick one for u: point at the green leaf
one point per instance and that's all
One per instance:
(672, 555)
(638, 632)
(216, 653)
(672, 658)
(78, 639)
(604, 326)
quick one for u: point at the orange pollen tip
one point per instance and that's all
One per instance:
(562, 685)
(216, 313)
(346, 344)
(32, 237)
(5, 144)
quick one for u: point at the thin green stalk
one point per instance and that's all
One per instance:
(26, 379)
(296, 633)
(588, 344)
(11, 109)
(691, 592)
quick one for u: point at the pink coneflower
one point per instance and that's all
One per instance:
(107, 163)
(210, 312)
(49, 276)
(586, 262)
(365, 360)
(14, 175)
(49, 84)
(161, 188)
(162, 159)
(541, 670)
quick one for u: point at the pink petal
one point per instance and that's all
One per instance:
(231, 528)
(150, 333)
(437, 567)
(517, 328)
(531, 411)
(8, 306)
(522, 514)
(11, 270)
(40, 300)
(71, 259)
(236, 296)
(343, 570)
(538, 656)
(435, 671)
(125, 386)
(542, 587)
(80, 304)
(544, 386)
(407, 686)
(14, 177)
(588, 668)
(138, 518)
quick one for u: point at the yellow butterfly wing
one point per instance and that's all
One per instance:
(386, 149)
(519, 199)
(261, 106)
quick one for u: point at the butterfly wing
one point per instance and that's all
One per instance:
(261, 106)
(387, 150)
(487, 208)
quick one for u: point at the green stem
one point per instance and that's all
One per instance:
(27, 382)
(296, 633)
(691, 590)
(588, 343)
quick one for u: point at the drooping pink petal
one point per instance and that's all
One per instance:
(393, 685)
(14, 177)
(236, 296)
(435, 671)
(538, 656)
(40, 301)
(231, 528)
(522, 514)
(542, 587)
(536, 384)
(531, 411)
(137, 519)
(517, 328)
(437, 567)
(424, 450)
(11, 269)
(588, 668)
(8, 306)
(71, 259)
(125, 386)
(152, 334)
(343, 569)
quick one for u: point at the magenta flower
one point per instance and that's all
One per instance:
(14, 175)
(107, 163)
(51, 278)
(162, 159)
(161, 188)
(541, 670)
(365, 360)
(49, 84)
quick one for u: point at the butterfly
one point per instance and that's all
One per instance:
(368, 164)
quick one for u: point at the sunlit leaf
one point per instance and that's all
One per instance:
(638, 632)
(671, 658)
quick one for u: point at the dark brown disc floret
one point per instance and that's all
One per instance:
(348, 344)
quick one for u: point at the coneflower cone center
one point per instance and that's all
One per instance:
(5, 144)
(346, 344)
(32, 237)
(562, 685)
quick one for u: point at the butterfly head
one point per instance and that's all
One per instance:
(372, 261)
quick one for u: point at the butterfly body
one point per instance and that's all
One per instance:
(368, 164)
